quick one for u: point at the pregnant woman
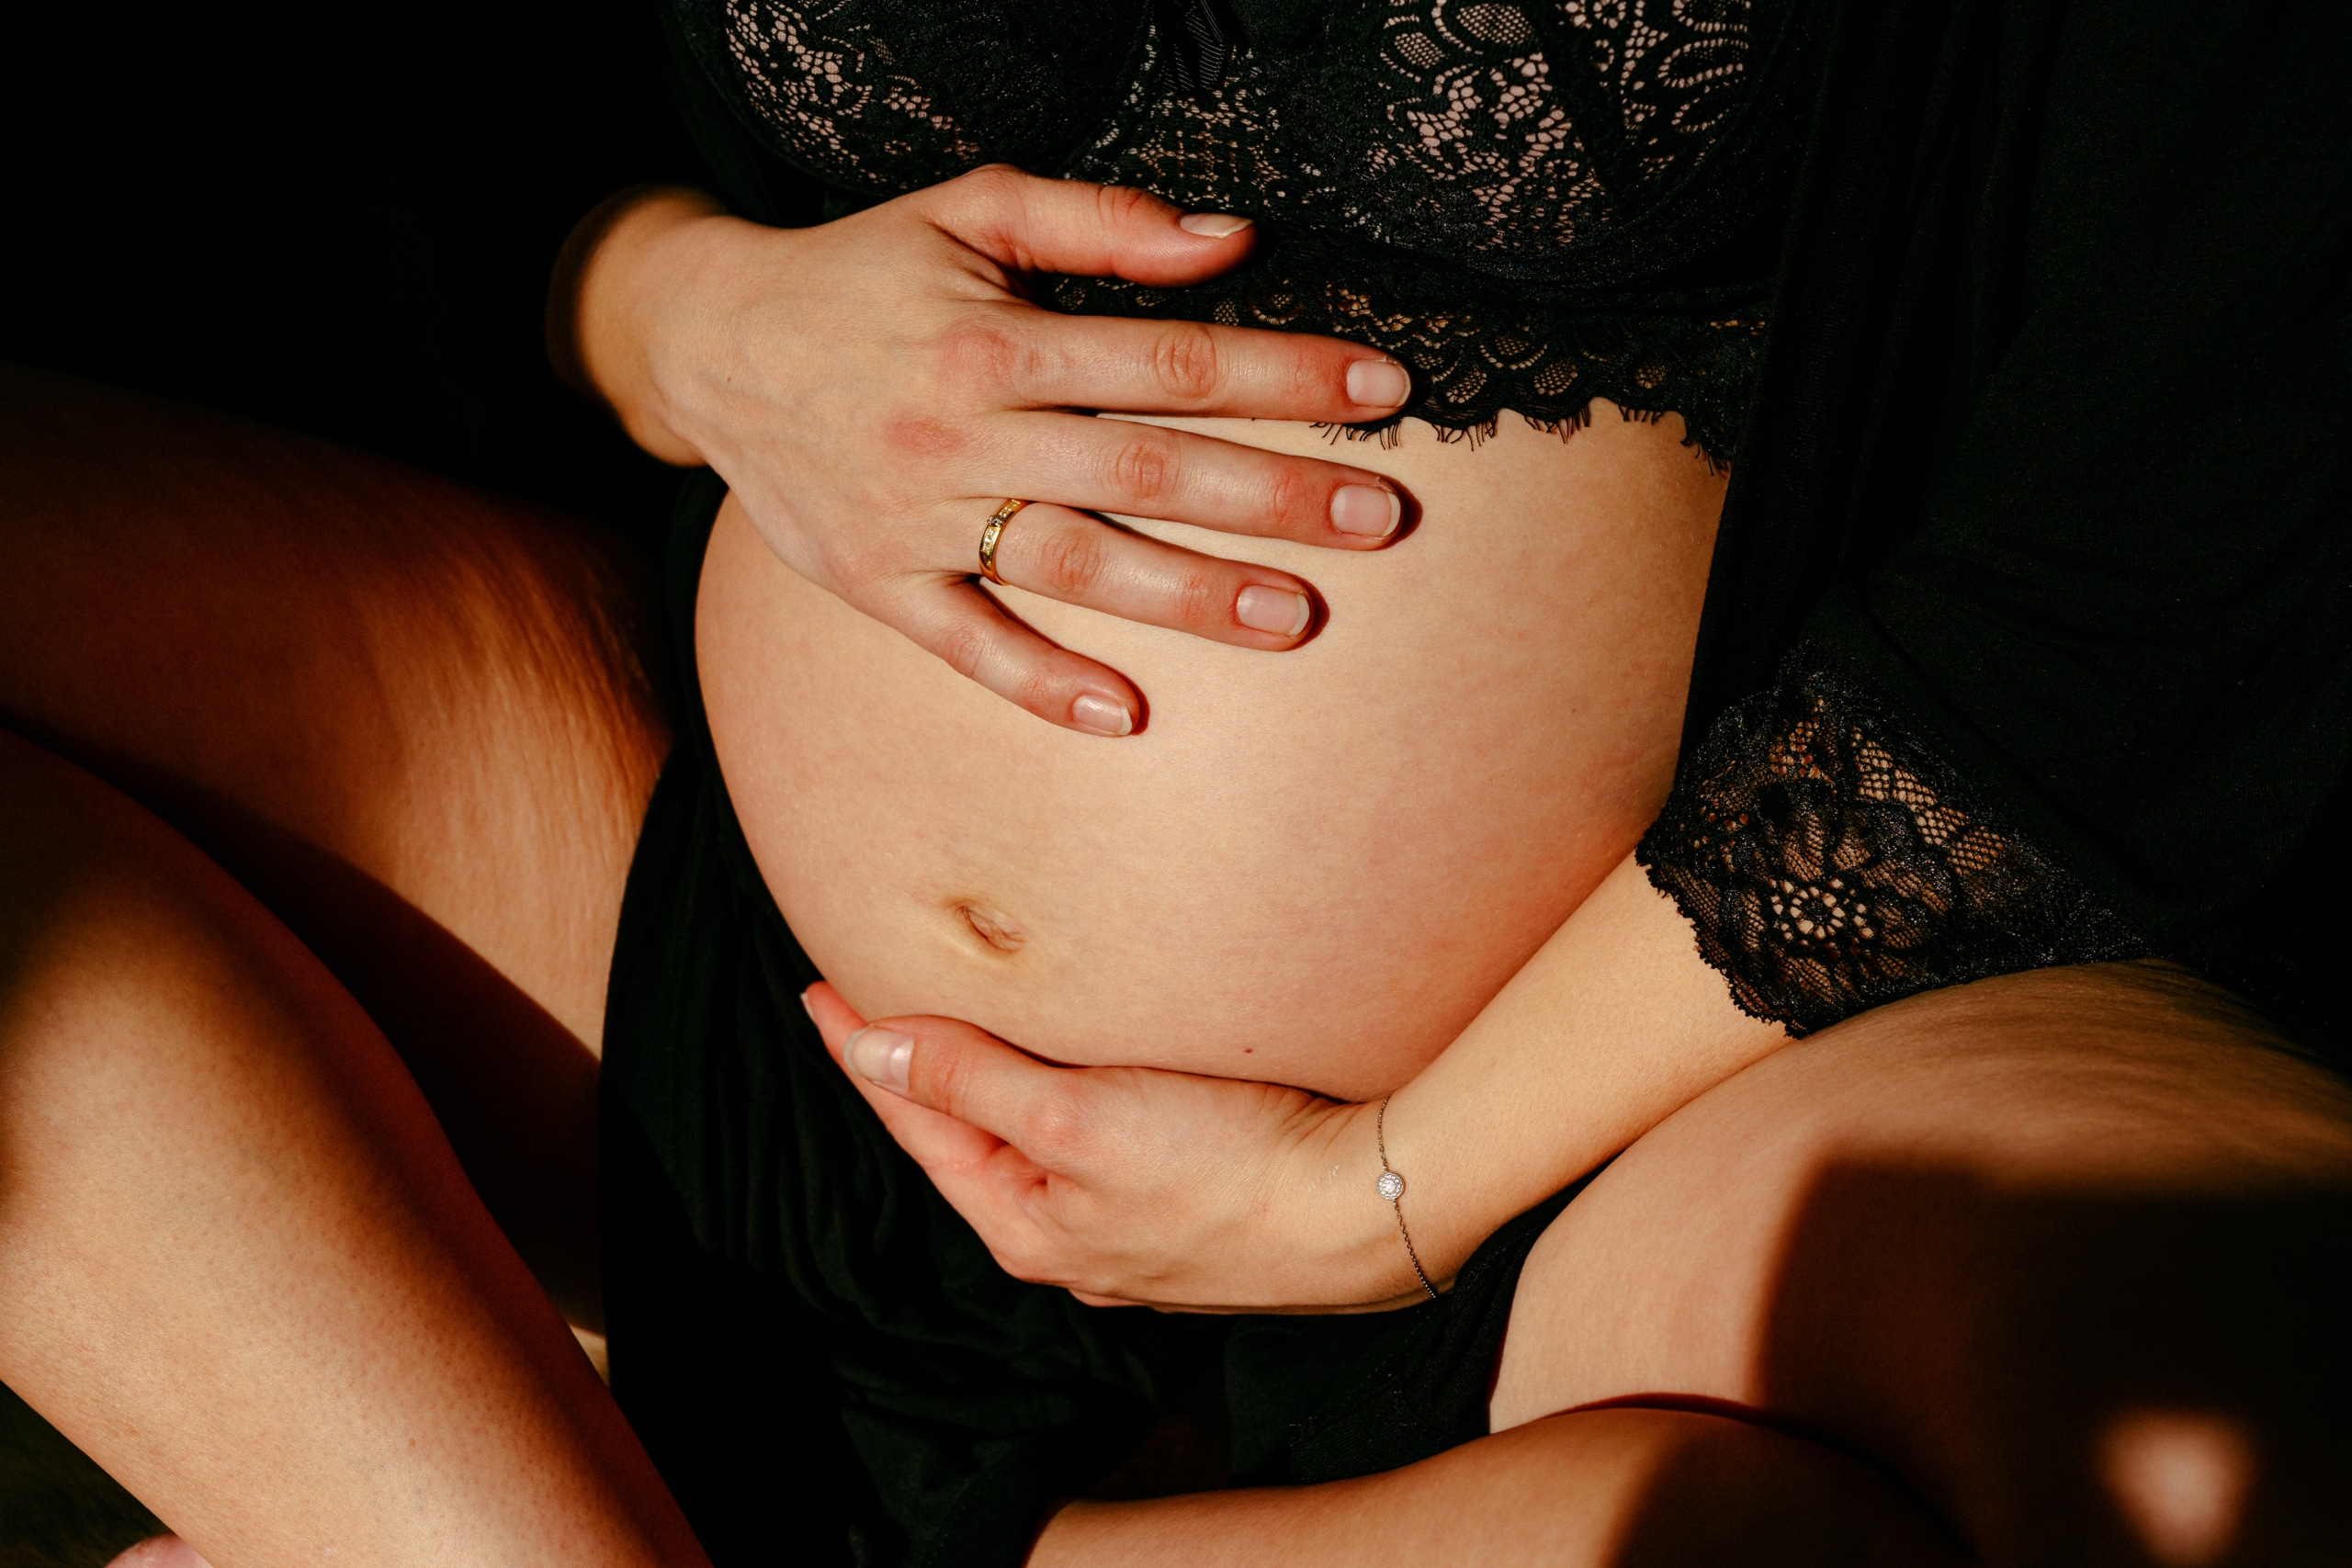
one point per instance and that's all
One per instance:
(1356, 820)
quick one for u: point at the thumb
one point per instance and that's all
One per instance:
(1029, 224)
(941, 1144)
(967, 1073)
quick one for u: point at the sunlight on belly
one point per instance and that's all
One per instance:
(1312, 867)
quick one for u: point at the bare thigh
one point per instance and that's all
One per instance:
(239, 1265)
(412, 718)
(2066, 1252)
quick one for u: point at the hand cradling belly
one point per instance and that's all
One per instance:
(1312, 867)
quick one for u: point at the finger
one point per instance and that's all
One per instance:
(1078, 559)
(978, 637)
(992, 1184)
(835, 1020)
(943, 1146)
(949, 1066)
(1148, 470)
(1029, 224)
(159, 1551)
(1132, 366)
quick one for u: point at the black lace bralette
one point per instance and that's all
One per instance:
(1532, 205)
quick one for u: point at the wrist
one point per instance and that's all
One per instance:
(1343, 1232)
(613, 313)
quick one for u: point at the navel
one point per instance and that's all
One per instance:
(992, 928)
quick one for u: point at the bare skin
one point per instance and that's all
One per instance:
(2052, 1250)
(274, 1416)
(239, 1264)
(1976, 1234)
(1312, 867)
(411, 719)
(548, 1483)
(872, 387)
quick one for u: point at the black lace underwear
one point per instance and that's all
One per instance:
(1832, 863)
(1534, 204)
(1531, 205)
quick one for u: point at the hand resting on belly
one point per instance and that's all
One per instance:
(1312, 869)
(872, 388)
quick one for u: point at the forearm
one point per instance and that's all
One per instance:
(626, 263)
(1576, 1491)
(1615, 1023)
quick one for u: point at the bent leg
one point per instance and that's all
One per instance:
(408, 717)
(238, 1263)
(1597, 1489)
(2069, 1252)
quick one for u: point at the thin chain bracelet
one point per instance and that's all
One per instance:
(1391, 1186)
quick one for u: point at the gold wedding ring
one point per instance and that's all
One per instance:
(991, 534)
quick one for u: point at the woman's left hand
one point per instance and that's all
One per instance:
(1132, 1185)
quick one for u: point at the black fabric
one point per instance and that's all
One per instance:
(966, 1397)
(2044, 456)
(2049, 453)
(812, 1345)
(1316, 1399)
(1531, 206)
(2042, 488)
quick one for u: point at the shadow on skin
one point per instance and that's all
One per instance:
(58, 1509)
(2107, 1378)
(513, 1090)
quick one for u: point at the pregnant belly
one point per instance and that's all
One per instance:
(1311, 867)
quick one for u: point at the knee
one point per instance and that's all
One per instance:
(1654, 1488)
(118, 938)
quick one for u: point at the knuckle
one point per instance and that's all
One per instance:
(1290, 497)
(1025, 1260)
(1115, 205)
(963, 645)
(992, 184)
(981, 354)
(1055, 1129)
(1145, 465)
(920, 435)
(1184, 360)
(1043, 690)
(1317, 372)
(861, 564)
(937, 1075)
(1070, 561)
(1198, 600)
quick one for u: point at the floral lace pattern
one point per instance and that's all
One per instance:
(1472, 365)
(1427, 173)
(1831, 864)
(891, 95)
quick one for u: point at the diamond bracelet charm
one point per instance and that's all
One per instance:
(1391, 1187)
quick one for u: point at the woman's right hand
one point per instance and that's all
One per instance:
(872, 388)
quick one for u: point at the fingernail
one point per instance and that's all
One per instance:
(804, 1003)
(1276, 610)
(1211, 225)
(1378, 383)
(881, 1055)
(1101, 715)
(1367, 510)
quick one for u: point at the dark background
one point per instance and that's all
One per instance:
(337, 220)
